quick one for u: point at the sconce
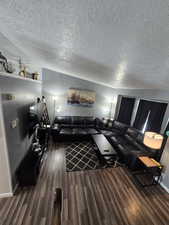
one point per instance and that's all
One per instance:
(55, 98)
(111, 101)
(57, 108)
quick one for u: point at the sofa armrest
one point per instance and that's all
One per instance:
(56, 128)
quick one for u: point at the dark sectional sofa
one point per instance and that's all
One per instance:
(127, 141)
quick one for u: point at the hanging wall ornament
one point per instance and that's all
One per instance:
(5, 65)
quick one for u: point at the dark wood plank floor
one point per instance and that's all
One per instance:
(99, 197)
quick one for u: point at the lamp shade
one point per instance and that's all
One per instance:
(153, 140)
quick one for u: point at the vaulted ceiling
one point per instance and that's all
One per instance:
(119, 43)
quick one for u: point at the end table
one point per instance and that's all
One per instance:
(150, 167)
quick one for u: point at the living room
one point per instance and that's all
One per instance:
(84, 113)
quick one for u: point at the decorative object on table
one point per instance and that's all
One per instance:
(35, 76)
(153, 140)
(23, 72)
(80, 97)
(5, 65)
(10, 68)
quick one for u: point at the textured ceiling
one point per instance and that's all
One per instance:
(123, 44)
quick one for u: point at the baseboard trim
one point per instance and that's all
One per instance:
(15, 188)
(6, 195)
(165, 188)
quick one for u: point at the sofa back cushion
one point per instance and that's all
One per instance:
(78, 120)
(139, 144)
(90, 121)
(119, 126)
(132, 132)
(63, 120)
(101, 123)
(131, 135)
(140, 138)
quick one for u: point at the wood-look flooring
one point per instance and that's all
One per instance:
(98, 197)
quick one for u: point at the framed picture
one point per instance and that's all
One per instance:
(81, 97)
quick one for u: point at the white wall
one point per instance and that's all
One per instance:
(58, 84)
(24, 94)
(5, 178)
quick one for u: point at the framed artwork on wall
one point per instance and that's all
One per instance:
(80, 97)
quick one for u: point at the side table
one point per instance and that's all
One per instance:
(150, 167)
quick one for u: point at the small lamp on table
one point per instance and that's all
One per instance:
(153, 140)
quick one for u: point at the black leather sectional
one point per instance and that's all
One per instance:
(127, 141)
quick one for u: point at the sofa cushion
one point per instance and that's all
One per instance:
(140, 146)
(90, 121)
(92, 131)
(140, 138)
(117, 132)
(99, 123)
(107, 133)
(127, 147)
(114, 140)
(121, 127)
(118, 140)
(123, 150)
(67, 131)
(78, 120)
(63, 120)
(64, 125)
(129, 138)
(79, 131)
(132, 132)
(90, 126)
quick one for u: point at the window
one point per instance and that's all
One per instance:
(150, 115)
(126, 110)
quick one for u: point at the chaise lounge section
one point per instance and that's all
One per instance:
(130, 146)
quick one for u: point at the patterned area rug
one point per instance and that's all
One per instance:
(82, 156)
